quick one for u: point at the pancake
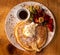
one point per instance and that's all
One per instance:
(41, 34)
(29, 43)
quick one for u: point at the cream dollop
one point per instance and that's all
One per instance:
(29, 30)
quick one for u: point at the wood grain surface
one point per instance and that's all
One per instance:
(6, 48)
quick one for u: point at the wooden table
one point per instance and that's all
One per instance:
(6, 48)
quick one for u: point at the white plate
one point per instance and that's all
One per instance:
(12, 20)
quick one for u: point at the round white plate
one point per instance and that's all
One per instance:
(12, 20)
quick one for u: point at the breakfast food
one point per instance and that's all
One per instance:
(30, 36)
(33, 33)
(39, 15)
(41, 34)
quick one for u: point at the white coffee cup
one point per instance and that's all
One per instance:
(20, 11)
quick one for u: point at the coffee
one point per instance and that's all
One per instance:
(23, 14)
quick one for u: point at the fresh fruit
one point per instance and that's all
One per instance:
(46, 18)
(31, 8)
(38, 15)
(41, 19)
(31, 19)
(50, 21)
(36, 7)
(40, 12)
(35, 15)
(36, 20)
(50, 26)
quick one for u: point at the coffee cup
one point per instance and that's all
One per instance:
(23, 14)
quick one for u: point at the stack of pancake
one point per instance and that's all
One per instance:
(28, 42)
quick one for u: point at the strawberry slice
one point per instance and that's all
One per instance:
(36, 20)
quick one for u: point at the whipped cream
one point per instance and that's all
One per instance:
(29, 30)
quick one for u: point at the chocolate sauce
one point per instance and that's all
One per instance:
(23, 14)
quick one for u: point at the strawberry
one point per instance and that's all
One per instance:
(50, 21)
(36, 20)
(46, 18)
(40, 13)
(50, 26)
(35, 15)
